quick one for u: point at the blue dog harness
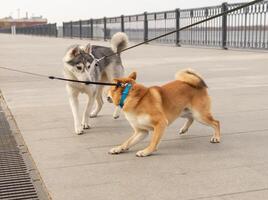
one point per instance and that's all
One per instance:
(125, 94)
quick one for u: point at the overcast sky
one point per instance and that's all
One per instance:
(66, 10)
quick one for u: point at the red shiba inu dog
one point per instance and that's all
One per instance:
(154, 108)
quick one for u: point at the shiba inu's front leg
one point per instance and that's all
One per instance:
(116, 113)
(157, 134)
(131, 141)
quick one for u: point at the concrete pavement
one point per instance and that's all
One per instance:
(185, 167)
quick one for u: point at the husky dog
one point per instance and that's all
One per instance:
(87, 63)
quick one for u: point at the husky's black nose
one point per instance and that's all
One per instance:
(109, 99)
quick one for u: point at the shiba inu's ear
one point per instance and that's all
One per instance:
(88, 48)
(75, 51)
(133, 75)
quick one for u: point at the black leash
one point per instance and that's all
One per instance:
(58, 78)
(85, 82)
(24, 72)
(139, 44)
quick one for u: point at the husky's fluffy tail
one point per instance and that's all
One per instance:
(192, 78)
(119, 41)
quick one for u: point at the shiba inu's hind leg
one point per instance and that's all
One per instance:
(206, 118)
(201, 111)
(215, 124)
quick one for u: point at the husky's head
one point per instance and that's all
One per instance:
(79, 60)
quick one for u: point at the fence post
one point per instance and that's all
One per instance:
(80, 29)
(88, 28)
(105, 28)
(56, 31)
(91, 28)
(246, 10)
(145, 27)
(63, 29)
(71, 27)
(122, 24)
(191, 29)
(178, 27)
(224, 26)
(206, 28)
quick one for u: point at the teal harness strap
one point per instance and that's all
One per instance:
(125, 94)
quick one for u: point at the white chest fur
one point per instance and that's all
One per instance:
(142, 121)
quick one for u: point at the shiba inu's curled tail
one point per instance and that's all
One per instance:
(192, 78)
(119, 41)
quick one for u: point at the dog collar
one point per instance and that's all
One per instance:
(125, 94)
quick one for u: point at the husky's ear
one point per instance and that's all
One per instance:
(88, 48)
(75, 51)
(133, 75)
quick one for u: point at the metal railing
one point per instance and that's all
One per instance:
(5, 30)
(41, 30)
(246, 28)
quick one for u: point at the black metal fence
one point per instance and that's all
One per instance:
(246, 28)
(41, 30)
(5, 30)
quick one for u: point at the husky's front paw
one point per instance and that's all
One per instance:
(79, 130)
(86, 126)
(116, 150)
(93, 115)
(215, 139)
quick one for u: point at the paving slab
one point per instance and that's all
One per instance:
(185, 167)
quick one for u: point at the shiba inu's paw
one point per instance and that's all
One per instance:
(116, 113)
(183, 131)
(215, 140)
(143, 153)
(79, 131)
(116, 150)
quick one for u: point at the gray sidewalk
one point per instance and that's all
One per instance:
(185, 167)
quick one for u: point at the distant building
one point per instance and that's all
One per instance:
(9, 21)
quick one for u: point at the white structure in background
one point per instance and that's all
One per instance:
(13, 30)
